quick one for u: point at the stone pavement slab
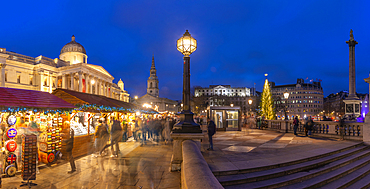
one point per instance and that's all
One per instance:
(135, 167)
(237, 150)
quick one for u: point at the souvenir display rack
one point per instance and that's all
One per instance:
(50, 143)
(29, 153)
(10, 160)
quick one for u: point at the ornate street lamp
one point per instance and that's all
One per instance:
(250, 101)
(286, 96)
(186, 45)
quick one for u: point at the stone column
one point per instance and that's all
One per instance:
(98, 86)
(41, 80)
(73, 81)
(56, 81)
(105, 89)
(2, 67)
(80, 84)
(352, 71)
(111, 90)
(50, 83)
(63, 81)
(87, 83)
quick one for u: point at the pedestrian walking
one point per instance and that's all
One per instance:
(124, 130)
(295, 125)
(211, 131)
(308, 126)
(116, 134)
(68, 139)
(142, 128)
(104, 136)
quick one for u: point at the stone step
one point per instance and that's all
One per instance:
(363, 183)
(288, 180)
(269, 167)
(350, 179)
(335, 174)
(290, 169)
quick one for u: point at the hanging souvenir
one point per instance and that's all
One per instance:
(43, 146)
(11, 145)
(12, 120)
(11, 133)
(11, 159)
(10, 170)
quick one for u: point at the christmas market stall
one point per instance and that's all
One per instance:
(89, 109)
(29, 119)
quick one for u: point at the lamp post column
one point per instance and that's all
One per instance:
(186, 84)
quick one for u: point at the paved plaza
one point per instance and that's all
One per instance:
(136, 167)
(236, 150)
(148, 166)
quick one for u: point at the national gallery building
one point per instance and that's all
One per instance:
(69, 71)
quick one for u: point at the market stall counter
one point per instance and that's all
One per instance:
(24, 115)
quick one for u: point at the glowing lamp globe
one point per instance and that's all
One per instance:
(186, 44)
(250, 101)
(286, 94)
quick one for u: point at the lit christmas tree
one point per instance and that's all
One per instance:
(267, 107)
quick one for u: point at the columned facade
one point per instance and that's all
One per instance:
(70, 71)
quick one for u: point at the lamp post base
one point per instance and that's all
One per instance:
(186, 124)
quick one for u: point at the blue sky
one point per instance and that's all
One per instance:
(238, 41)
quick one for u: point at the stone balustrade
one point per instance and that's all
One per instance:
(195, 172)
(351, 130)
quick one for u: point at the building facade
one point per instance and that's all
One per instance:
(69, 71)
(225, 95)
(151, 99)
(305, 99)
(334, 105)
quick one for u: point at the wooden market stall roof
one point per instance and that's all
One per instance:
(10, 97)
(75, 98)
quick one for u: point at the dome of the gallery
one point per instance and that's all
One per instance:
(73, 46)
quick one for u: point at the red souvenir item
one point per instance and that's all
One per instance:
(11, 145)
(11, 159)
(51, 157)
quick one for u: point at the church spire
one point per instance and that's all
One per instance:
(152, 88)
(153, 64)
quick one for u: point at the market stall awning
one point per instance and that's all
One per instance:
(10, 97)
(79, 98)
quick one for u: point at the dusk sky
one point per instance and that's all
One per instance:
(238, 41)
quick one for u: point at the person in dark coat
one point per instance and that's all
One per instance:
(116, 134)
(68, 139)
(295, 125)
(211, 131)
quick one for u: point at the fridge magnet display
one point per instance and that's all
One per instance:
(11, 133)
(11, 159)
(12, 120)
(10, 170)
(11, 145)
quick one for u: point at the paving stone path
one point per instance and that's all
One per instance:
(136, 167)
(235, 150)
